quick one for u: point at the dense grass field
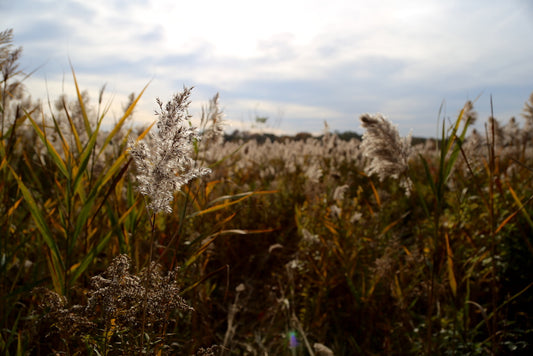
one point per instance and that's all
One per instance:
(175, 240)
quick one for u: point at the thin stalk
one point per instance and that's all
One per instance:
(492, 168)
(177, 234)
(432, 275)
(106, 332)
(70, 202)
(147, 281)
(4, 91)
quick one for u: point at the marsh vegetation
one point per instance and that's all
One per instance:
(171, 239)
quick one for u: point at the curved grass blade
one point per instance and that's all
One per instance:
(83, 216)
(226, 203)
(214, 236)
(196, 284)
(57, 262)
(88, 128)
(86, 261)
(120, 123)
(84, 160)
(98, 248)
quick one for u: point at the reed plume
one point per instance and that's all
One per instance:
(165, 164)
(388, 152)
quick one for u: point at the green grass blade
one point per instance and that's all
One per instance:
(88, 258)
(72, 127)
(41, 226)
(117, 223)
(84, 215)
(429, 177)
(84, 159)
(442, 159)
(453, 135)
(455, 148)
(81, 220)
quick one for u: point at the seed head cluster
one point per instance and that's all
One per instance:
(114, 303)
(212, 122)
(165, 164)
(388, 152)
(117, 293)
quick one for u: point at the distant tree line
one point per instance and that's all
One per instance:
(261, 137)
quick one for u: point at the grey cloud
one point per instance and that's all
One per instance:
(42, 33)
(26, 12)
(338, 87)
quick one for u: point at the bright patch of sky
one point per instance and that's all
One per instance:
(299, 63)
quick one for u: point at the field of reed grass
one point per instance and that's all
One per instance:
(176, 240)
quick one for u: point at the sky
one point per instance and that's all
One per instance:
(298, 63)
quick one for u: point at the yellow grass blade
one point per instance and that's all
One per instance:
(192, 196)
(145, 132)
(210, 186)
(376, 195)
(227, 203)
(520, 208)
(392, 224)
(451, 275)
(214, 236)
(82, 104)
(120, 122)
(397, 289)
(331, 227)
(507, 219)
(73, 128)
(14, 207)
(372, 288)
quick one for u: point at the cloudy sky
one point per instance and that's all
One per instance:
(299, 63)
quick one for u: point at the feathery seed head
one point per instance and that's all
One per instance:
(388, 152)
(469, 114)
(212, 121)
(165, 165)
(339, 192)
